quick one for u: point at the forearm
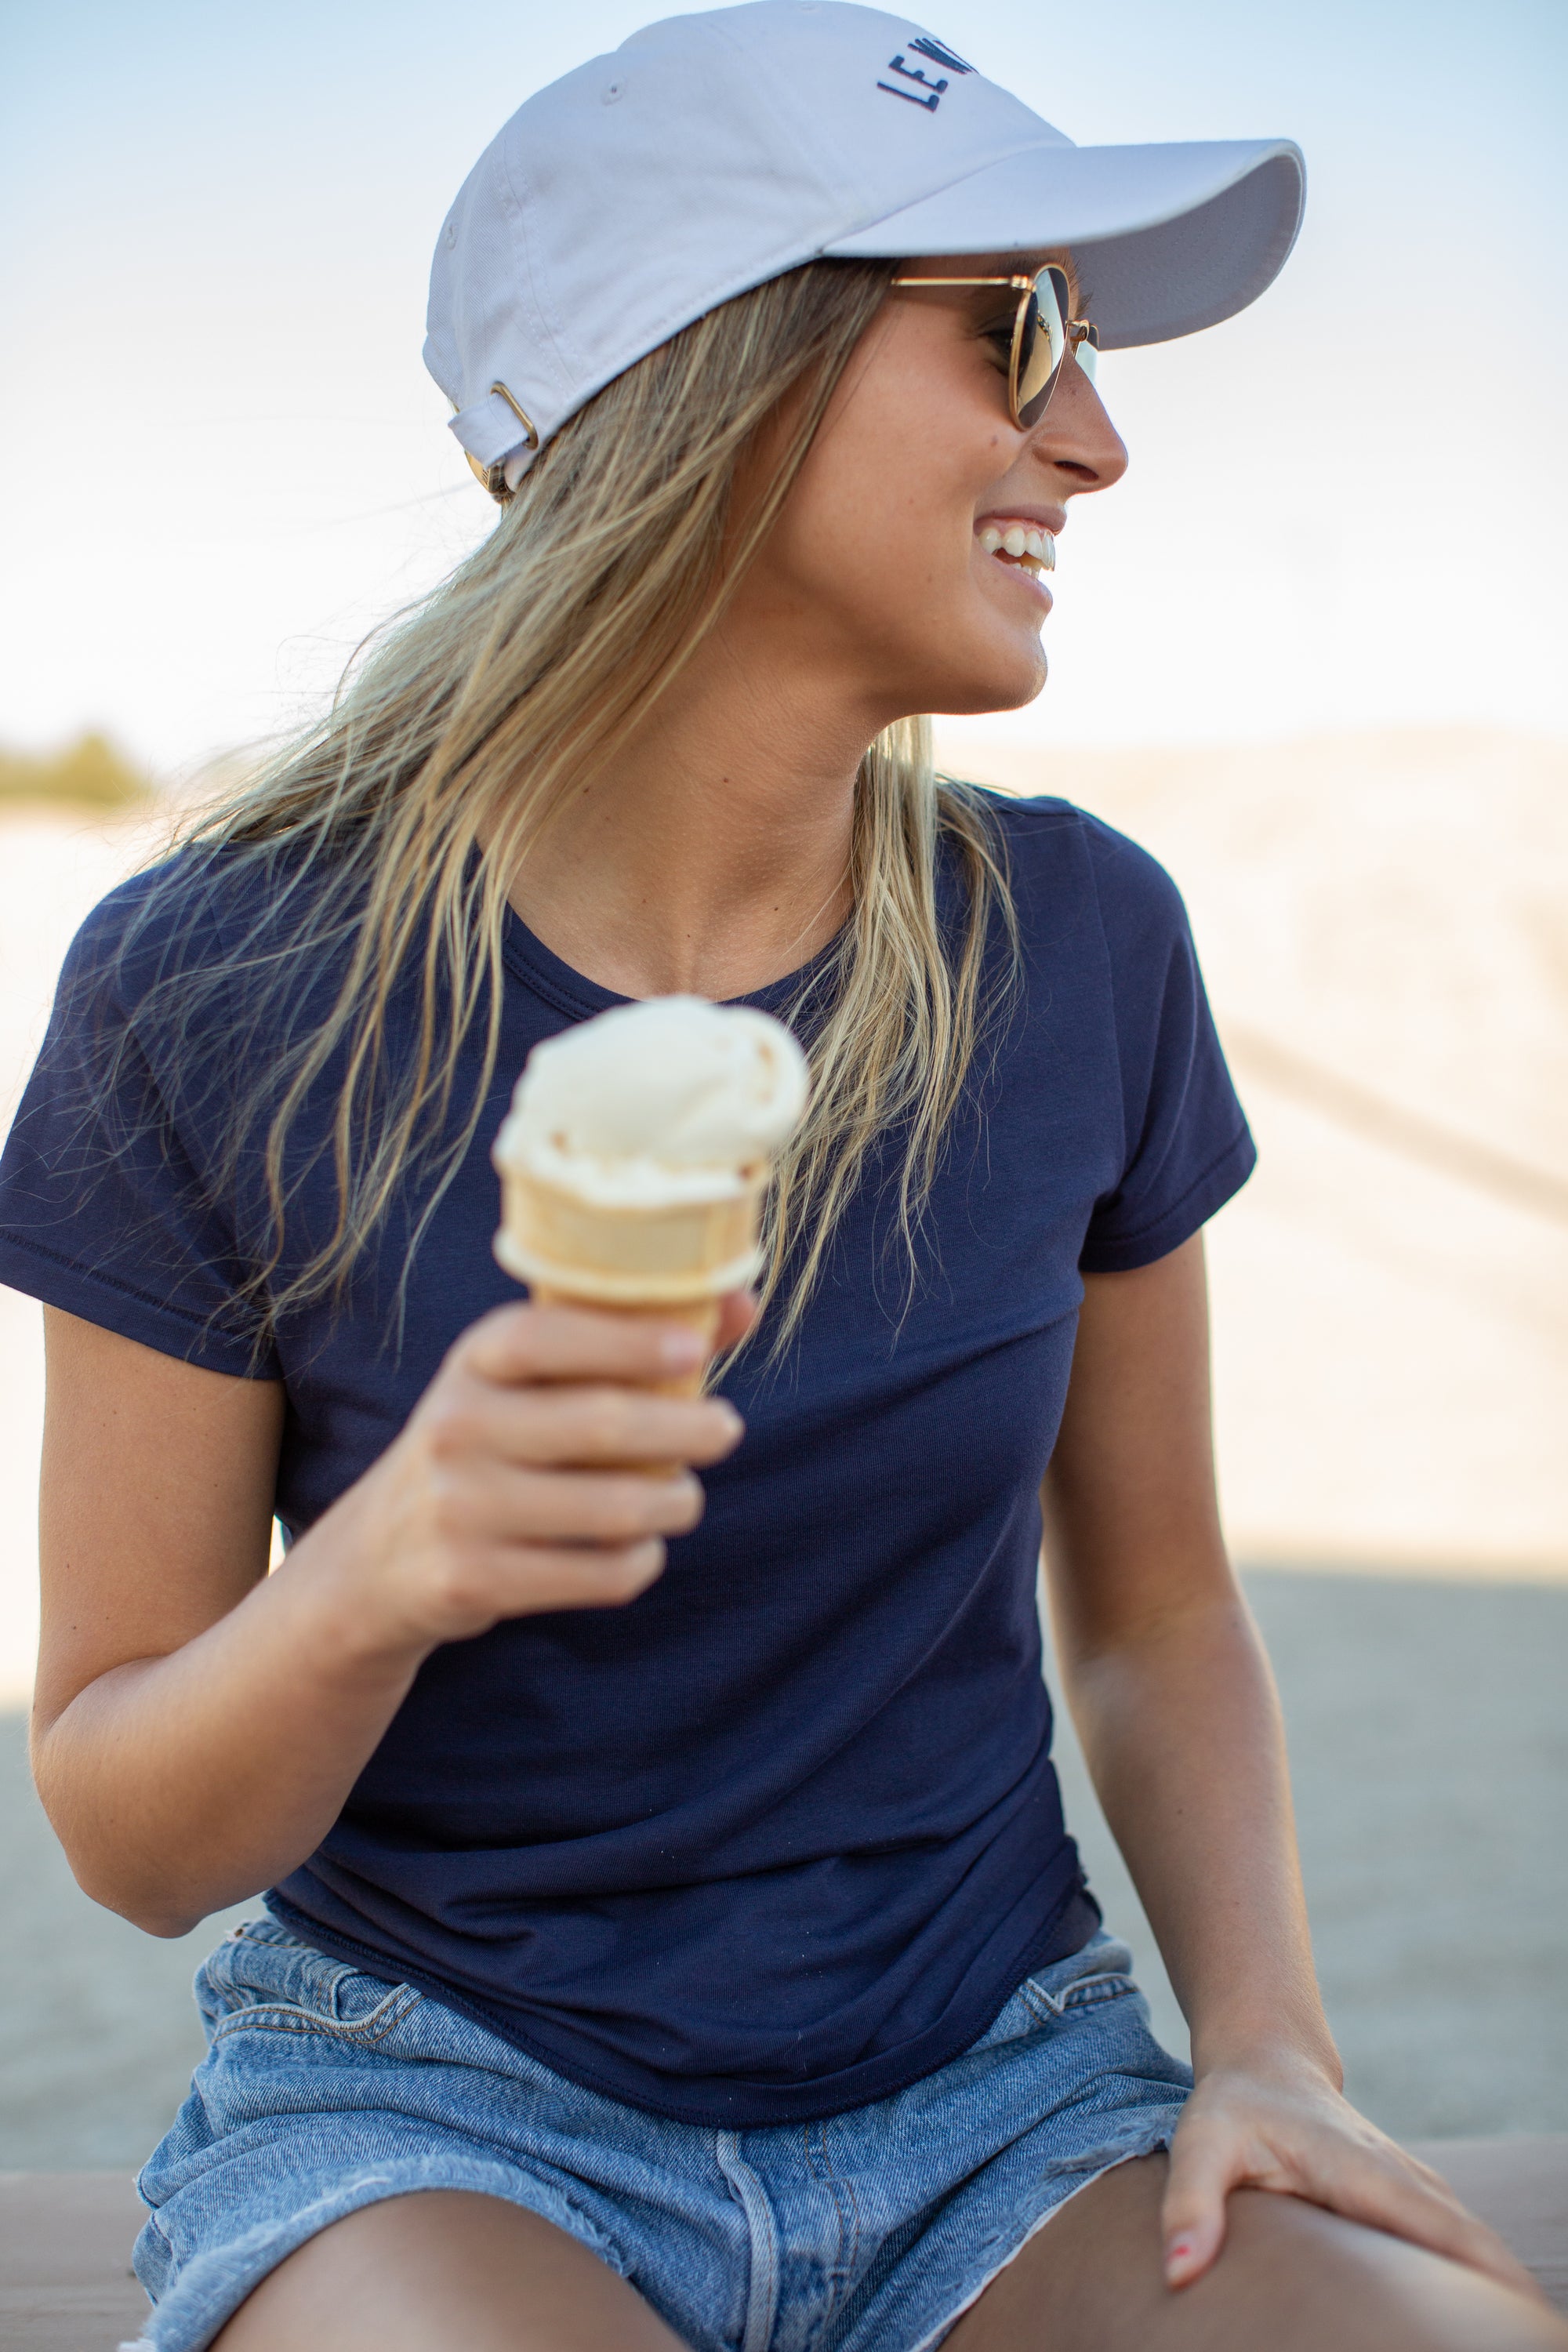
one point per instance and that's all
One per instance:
(1180, 1728)
(182, 1783)
(199, 1726)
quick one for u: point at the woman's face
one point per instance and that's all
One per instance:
(876, 567)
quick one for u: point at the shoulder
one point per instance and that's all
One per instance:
(147, 928)
(1059, 859)
(182, 921)
(181, 975)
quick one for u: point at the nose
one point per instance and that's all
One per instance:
(1076, 438)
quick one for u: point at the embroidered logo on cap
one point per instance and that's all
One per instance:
(938, 56)
(924, 46)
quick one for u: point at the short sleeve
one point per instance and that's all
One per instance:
(1187, 1145)
(107, 1204)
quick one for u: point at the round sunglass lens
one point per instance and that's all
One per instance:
(1042, 346)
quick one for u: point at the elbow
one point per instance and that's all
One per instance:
(147, 1908)
(119, 1855)
(155, 1910)
(168, 1925)
(105, 1863)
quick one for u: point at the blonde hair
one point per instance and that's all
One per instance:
(476, 716)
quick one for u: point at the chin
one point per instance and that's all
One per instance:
(998, 686)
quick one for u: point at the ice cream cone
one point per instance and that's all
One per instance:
(635, 1160)
(627, 1253)
(672, 1266)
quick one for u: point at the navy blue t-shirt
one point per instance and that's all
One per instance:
(783, 1835)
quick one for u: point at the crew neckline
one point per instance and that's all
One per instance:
(526, 955)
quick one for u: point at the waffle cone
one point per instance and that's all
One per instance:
(626, 1257)
(671, 1264)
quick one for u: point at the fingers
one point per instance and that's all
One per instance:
(580, 1425)
(1343, 2164)
(525, 1343)
(563, 1385)
(1391, 2191)
(518, 1484)
(531, 1579)
(1206, 2163)
(737, 1313)
(502, 1504)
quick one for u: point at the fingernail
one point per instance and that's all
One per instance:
(1178, 2254)
(680, 1350)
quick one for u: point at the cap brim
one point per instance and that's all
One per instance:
(1166, 239)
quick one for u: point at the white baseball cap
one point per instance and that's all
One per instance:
(712, 152)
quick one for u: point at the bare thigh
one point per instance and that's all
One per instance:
(438, 2269)
(1291, 2277)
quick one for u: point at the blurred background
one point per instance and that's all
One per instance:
(1309, 653)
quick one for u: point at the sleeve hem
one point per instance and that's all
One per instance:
(113, 1306)
(1219, 1183)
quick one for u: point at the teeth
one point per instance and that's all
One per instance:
(1022, 541)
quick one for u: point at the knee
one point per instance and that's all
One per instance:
(1387, 2294)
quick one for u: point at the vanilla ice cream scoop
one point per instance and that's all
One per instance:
(668, 1101)
(637, 1151)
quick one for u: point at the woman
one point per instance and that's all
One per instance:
(673, 1935)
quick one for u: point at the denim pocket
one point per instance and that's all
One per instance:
(263, 1979)
(1102, 1971)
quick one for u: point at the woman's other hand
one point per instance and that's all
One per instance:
(1281, 2124)
(515, 1487)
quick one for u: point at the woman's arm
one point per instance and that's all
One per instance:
(198, 1723)
(1175, 1706)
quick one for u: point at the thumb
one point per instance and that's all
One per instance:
(737, 1313)
(1192, 2214)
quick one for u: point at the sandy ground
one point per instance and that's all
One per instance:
(1381, 920)
(1387, 915)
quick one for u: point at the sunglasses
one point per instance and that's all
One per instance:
(1044, 331)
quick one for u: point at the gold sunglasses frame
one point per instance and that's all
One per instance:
(1081, 333)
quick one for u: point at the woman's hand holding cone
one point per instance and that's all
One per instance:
(518, 1484)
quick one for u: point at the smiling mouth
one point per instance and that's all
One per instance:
(1022, 545)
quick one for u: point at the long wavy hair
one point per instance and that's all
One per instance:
(385, 838)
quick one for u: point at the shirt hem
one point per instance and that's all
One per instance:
(1066, 1929)
(56, 1281)
(1219, 1183)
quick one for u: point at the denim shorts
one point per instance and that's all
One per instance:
(324, 2089)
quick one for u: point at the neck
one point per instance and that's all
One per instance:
(713, 855)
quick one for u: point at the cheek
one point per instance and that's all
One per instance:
(882, 523)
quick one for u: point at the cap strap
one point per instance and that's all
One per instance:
(488, 429)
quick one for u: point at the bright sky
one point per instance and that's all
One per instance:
(221, 460)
